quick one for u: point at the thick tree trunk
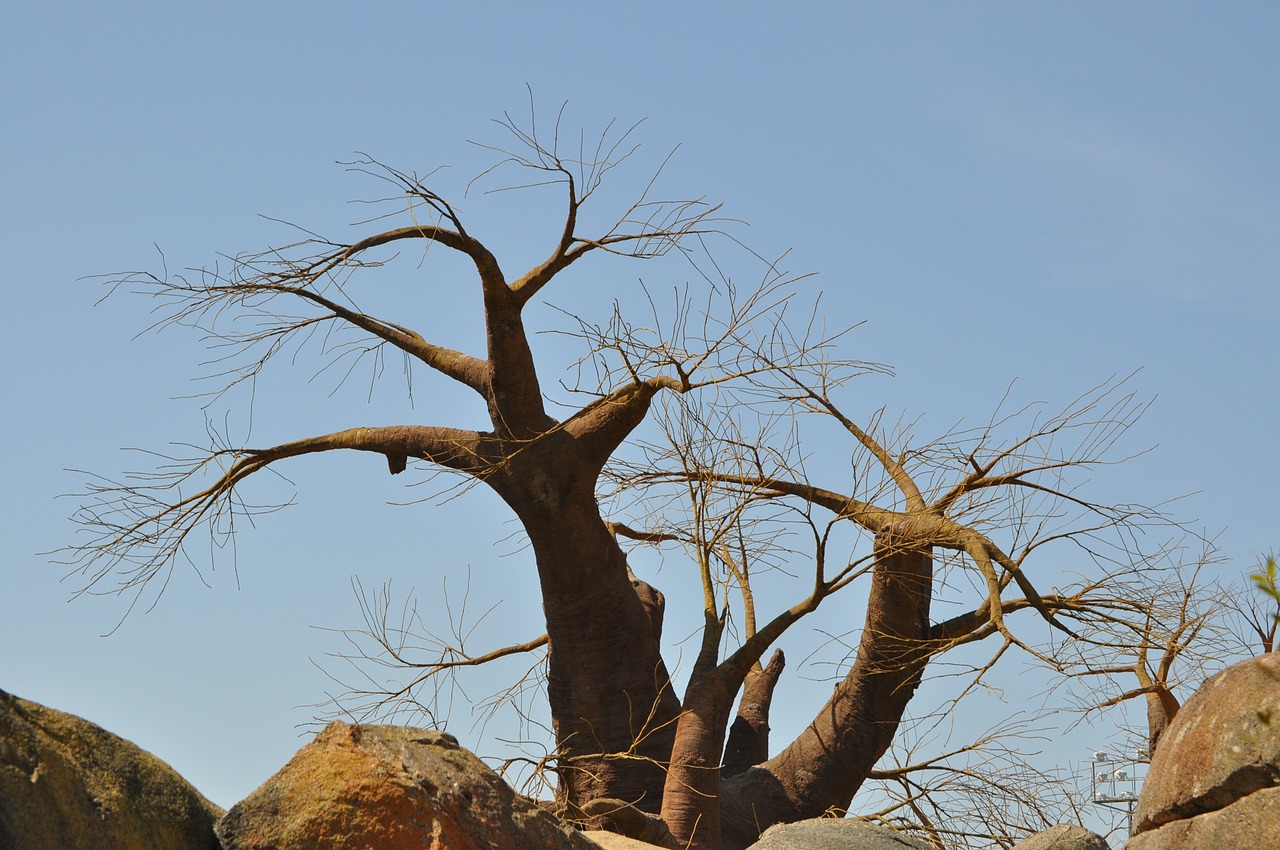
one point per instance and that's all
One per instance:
(612, 706)
(824, 767)
(691, 797)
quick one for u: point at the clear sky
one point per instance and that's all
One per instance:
(1046, 193)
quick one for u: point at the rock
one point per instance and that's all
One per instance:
(1253, 822)
(833, 834)
(632, 822)
(65, 782)
(1064, 836)
(614, 841)
(1222, 747)
(392, 788)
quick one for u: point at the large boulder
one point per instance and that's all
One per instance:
(65, 782)
(1252, 824)
(1064, 837)
(833, 834)
(1213, 780)
(393, 788)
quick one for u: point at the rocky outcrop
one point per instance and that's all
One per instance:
(390, 787)
(1064, 837)
(65, 782)
(1215, 779)
(833, 834)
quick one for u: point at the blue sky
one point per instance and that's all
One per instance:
(1041, 193)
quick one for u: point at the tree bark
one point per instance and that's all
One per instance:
(1162, 705)
(824, 767)
(691, 796)
(613, 710)
(748, 742)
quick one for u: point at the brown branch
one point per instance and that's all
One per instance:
(748, 741)
(463, 368)
(477, 660)
(619, 529)
(143, 528)
(485, 263)
(601, 426)
(892, 466)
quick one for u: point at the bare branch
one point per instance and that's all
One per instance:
(140, 530)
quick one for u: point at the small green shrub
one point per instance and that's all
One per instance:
(1266, 581)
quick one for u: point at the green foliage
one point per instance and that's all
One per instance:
(1266, 581)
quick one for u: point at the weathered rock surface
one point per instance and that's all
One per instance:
(65, 782)
(1252, 823)
(833, 834)
(1064, 837)
(1221, 748)
(393, 788)
(614, 841)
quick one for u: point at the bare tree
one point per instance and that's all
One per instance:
(963, 515)
(944, 539)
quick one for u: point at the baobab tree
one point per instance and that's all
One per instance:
(966, 510)
(942, 536)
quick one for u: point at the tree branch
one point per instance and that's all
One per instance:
(144, 527)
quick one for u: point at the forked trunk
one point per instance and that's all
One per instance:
(824, 767)
(748, 742)
(691, 797)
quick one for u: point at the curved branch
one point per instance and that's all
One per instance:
(459, 240)
(869, 516)
(891, 465)
(532, 282)
(992, 551)
(601, 426)
(510, 362)
(141, 529)
(256, 278)
(463, 368)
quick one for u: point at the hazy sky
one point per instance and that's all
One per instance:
(1046, 193)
